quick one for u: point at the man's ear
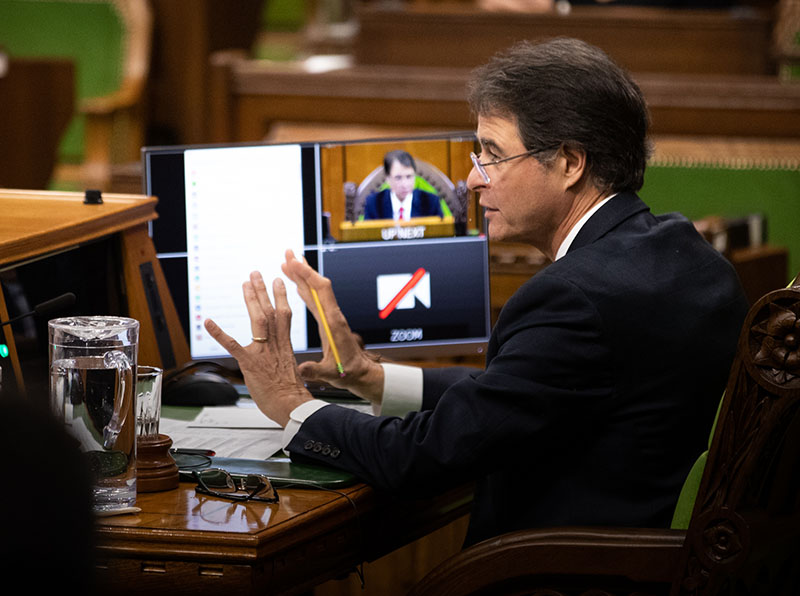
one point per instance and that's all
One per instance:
(573, 163)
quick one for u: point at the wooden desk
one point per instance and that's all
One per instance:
(35, 224)
(183, 543)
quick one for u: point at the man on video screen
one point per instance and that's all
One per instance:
(401, 200)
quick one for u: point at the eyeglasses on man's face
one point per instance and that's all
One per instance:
(481, 167)
(220, 483)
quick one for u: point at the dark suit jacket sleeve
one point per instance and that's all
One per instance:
(521, 405)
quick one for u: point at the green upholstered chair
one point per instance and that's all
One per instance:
(743, 533)
(109, 42)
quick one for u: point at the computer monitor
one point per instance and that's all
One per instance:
(415, 289)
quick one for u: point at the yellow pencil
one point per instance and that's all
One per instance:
(324, 320)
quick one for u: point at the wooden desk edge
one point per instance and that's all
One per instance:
(140, 209)
(401, 521)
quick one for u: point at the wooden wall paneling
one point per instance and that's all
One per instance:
(332, 161)
(185, 34)
(360, 160)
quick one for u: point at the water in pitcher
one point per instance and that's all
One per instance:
(96, 395)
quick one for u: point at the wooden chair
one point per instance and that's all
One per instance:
(115, 123)
(38, 94)
(744, 533)
(109, 42)
(455, 196)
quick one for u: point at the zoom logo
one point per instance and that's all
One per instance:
(402, 290)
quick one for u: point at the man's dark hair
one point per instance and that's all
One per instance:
(566, 92)
(398, 155)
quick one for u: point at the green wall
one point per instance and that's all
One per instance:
(699, 191)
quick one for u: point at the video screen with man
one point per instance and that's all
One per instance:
(390, 222)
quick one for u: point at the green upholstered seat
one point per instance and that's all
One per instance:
(683, 509)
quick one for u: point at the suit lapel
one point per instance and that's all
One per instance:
(386, 205)
(416, 208)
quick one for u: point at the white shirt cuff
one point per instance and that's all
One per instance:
(298, 416)
(402, 390)
(402, 393)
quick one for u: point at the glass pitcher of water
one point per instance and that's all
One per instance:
(93, 389)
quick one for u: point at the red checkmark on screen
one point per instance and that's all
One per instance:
(418, 275)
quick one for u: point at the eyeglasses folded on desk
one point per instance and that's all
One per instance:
(220, 483)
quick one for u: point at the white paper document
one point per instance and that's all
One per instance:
(239, 431)
(244, 443)
(232, 417)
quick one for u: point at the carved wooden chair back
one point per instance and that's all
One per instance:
(744, 535)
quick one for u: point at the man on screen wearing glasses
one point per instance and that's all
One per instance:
(604, 370)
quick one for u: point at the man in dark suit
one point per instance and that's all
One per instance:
(401, 201)
(603, 371)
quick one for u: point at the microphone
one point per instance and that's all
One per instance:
(47, 307)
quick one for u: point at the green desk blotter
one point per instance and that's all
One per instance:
(280, 470)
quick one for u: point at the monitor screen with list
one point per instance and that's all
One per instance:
(412, 288)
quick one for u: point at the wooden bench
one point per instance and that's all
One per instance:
(641, 38)
(249, 97)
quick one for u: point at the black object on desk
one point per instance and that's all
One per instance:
(200, 388)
